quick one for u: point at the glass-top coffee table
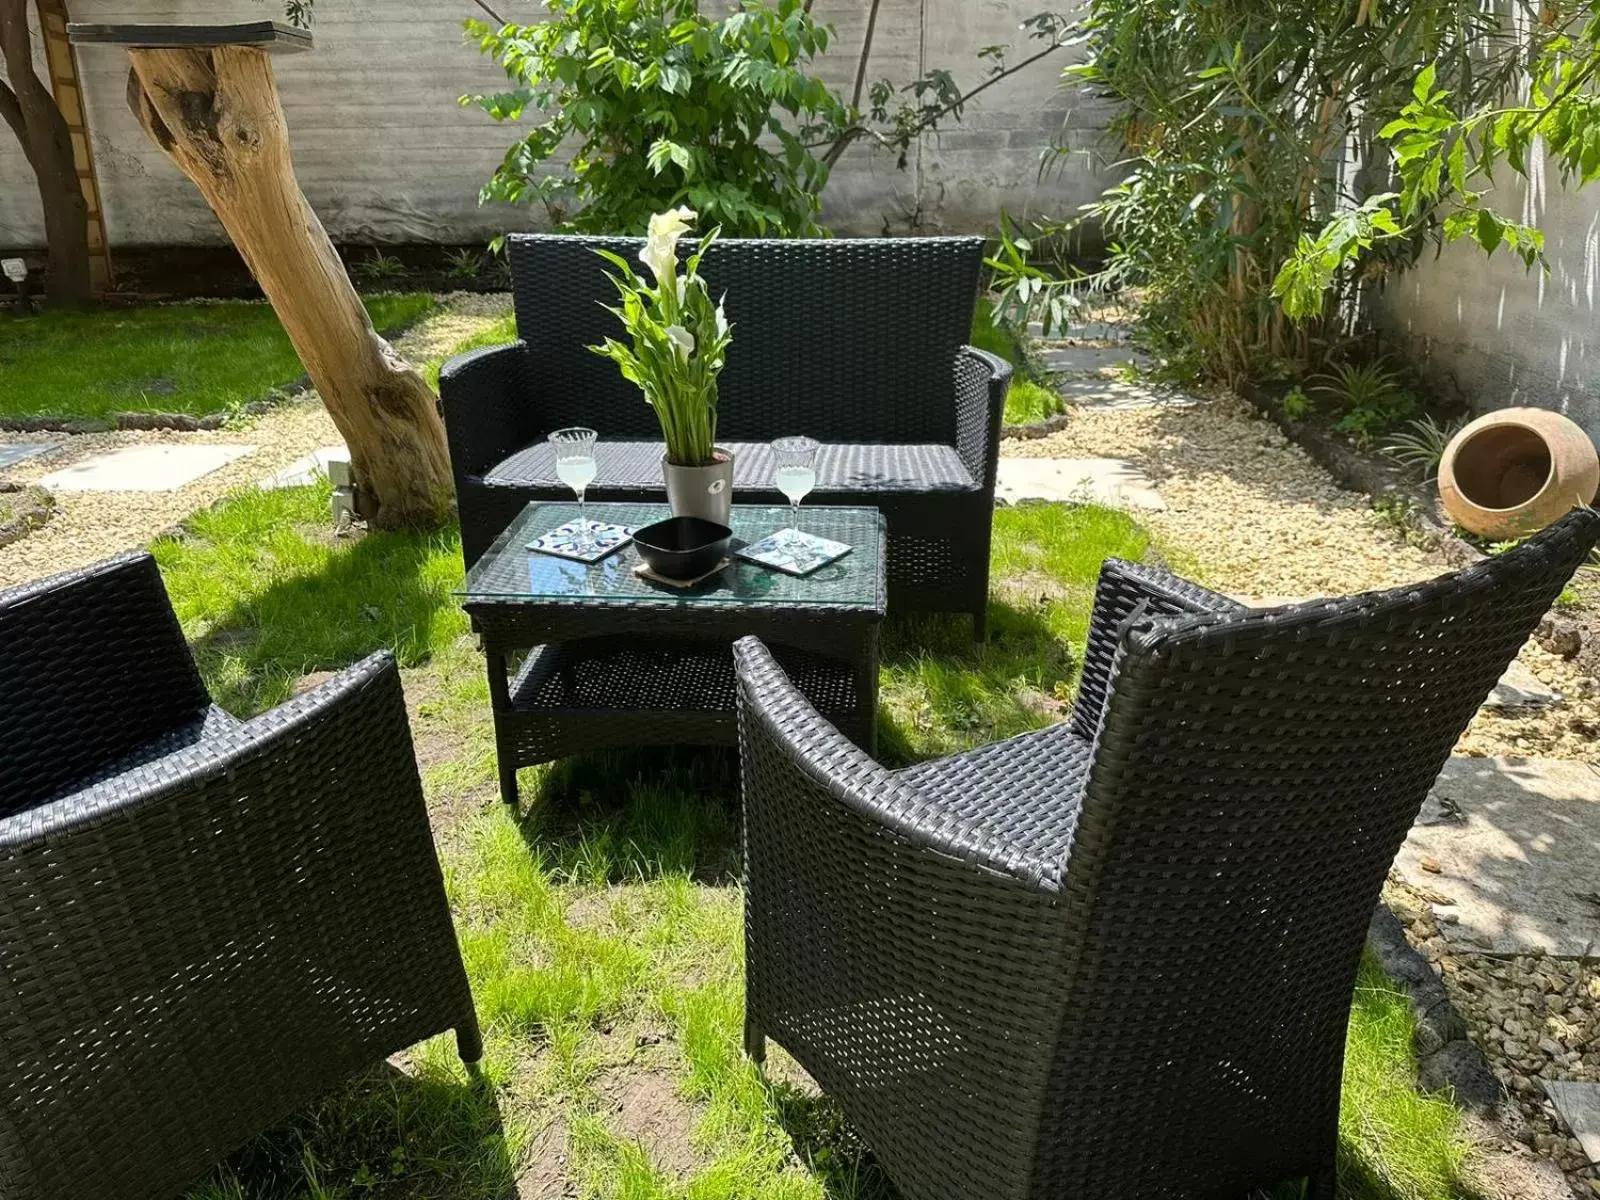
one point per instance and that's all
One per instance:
(590, 656)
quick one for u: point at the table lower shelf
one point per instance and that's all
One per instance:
(605, 693)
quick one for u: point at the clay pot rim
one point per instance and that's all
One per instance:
(1469, 435)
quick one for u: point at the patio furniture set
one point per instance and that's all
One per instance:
(1114, 958)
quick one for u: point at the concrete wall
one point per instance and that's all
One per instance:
(1504, 336)
(386, 155)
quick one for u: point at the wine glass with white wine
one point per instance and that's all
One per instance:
(575, 467)
(795, 459)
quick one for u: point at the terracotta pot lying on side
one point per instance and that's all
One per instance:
(1512, 472)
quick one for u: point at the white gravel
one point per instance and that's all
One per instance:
(1250, 514)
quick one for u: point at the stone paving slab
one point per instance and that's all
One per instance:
(1520, 692)
(1511, 845)
(1579, 1106)
(1087, 331)
(1089, 360)
(150, 468)
(1113, 395)
(1108, 481)
(18, 452)
(306, 470)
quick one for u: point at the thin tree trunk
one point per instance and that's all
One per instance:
(216, 114)
(31, 111)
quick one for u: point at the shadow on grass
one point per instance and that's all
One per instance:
(631, 816)
(385, 1133)
(838, 1159)
(267, 595)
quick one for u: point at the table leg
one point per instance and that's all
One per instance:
(866, 660)
(500, 703)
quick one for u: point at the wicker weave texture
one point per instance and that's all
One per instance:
(856, 343)
(1121, 965)
(843, 339)
(195, 947)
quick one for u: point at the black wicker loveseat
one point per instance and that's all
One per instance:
(857, 343)
(1115, 959)
(204, 923)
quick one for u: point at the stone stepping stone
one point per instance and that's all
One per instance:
(307, 470)
(143, 469)
(1520, 692)
(1504, 851)
(1089, 360)
(18, 452)
(1113, 395)
(1086, 331)
(1579, 1106)
(1108, 481)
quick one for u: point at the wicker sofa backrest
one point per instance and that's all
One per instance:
(92, 666)
(1254, 776)
(847, 340)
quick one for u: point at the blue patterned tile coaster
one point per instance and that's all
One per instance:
(565, 541)
(794, 553)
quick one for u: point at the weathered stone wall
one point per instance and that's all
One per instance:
(386, 155)
(1503, 336)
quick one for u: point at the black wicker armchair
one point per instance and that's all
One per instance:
(857, 343)
(1115, 959)
(204, 923)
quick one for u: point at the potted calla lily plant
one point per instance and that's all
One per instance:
(679, 343)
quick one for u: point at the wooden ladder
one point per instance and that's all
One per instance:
(62, 64)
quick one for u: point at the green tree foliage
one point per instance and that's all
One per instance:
(1248, 125)
(662, 105)
(1445, 153)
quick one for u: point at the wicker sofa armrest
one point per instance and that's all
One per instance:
(93, 664)
(787, 747)
(1123, 588)
(490, 410)
(981, 384)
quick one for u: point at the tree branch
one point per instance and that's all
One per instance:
(503, 22)
(12, 112)
(841, 141)
(866, 53)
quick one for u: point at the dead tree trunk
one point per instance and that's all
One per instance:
(29, 108)
(215, 112)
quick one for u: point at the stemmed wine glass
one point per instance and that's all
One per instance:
(796, 476)
(575, 467)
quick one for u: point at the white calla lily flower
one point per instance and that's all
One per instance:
(682, 341)
(660, 252)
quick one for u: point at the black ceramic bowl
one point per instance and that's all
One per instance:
(683, 547)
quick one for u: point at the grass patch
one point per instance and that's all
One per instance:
(267, 593)
(603, 932)
(183, 358)
(1028, 402)
(989, 334)
(502, 331)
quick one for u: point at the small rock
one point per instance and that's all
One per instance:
(1561, 636)
(1431, 865)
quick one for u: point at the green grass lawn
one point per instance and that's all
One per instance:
(180, 358)
(602, 931)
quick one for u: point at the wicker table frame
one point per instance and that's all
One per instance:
(571, 674)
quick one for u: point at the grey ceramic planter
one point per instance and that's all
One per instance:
(705, 492)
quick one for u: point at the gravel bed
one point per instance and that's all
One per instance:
(89, 526)
(1250, 514)
(1534, 1017)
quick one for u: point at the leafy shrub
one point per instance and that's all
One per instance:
(1295, 403)
(1420, 446)
(1370, 398)
(664, 106)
